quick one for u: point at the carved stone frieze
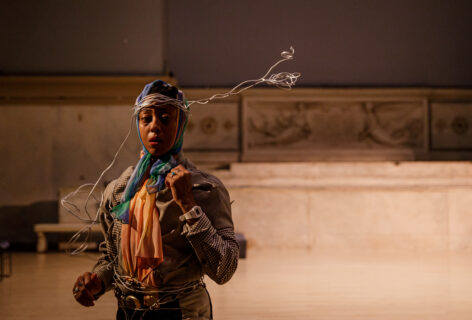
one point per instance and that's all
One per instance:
(334, 125)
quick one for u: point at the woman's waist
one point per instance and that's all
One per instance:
(135, 295)
(174, 270)
(167, 276)
(130, 284)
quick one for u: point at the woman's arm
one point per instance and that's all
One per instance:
(216, 249)
(89, 286)
(108, 252)
(111, 229)
(212, 234)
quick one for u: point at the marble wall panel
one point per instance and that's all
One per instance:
(451, 125)
(87, 139)
(331, 125)
(26, 145)
(49, 147)
(382, 220)
(460, 219)
(271, 218)
(213, 127)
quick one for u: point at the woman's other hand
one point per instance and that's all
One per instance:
(85, 287)
(179, 182)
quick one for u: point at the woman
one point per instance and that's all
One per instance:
(165, 222)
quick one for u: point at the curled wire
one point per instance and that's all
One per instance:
(284, 80)
(73, 209)
(154, 99)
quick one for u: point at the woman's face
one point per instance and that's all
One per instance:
(158, 127)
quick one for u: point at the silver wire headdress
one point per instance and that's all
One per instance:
(284, 80)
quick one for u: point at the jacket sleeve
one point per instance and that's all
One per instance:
(104, 266)
(212, 236)
(111, 229)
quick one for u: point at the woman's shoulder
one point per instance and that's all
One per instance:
(206, 185)
(202, 178)
(211, 195)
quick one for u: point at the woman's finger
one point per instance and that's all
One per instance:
(84, 300)
(84, 296)
(96, 283)
(168, 180)
(86, 279)
(180, 169)
(78, 283)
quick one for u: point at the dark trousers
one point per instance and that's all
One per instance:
(168, 311)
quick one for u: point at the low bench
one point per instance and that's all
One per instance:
(42, 228)
(5, 260)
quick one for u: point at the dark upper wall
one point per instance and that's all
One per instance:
(219, 43)
(82, 37)
(344, 42)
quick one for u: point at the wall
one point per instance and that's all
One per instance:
(56, 140)
(220, 43)
(64, 131)
(82, 37)
(337, 43)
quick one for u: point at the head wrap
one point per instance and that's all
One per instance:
(155, 93)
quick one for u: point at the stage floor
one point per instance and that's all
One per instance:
(270, 284)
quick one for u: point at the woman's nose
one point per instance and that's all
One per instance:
(155, 125)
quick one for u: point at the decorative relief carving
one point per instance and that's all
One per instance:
(228, 125)
(208, 125)
(450, 126)
(335, 125)
(460, 125)
(190, 126)
(280, 128)
(394, 124)
(213, 127)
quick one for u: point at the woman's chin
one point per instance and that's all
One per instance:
(156, 152)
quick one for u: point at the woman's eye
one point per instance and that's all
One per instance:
(164, 117)
(146, 119)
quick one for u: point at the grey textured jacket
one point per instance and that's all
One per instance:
(206, 247)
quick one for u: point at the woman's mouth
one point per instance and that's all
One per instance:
(155, 141)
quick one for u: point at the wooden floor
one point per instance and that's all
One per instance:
(270, 285)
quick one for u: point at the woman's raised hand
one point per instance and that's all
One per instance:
(179, 182)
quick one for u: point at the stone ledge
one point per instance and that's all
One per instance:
(348, 174)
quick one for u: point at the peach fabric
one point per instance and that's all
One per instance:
(141, 241)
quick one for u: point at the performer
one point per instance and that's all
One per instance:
(166, 224)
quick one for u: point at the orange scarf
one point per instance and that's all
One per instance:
(141, 242)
